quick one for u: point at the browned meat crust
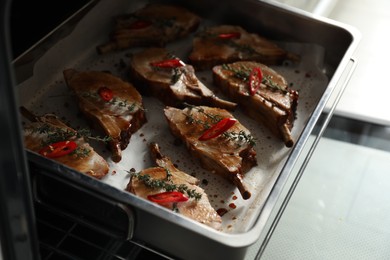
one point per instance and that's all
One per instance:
(230, 155)
(227, 43)
(199, 210)
(118, 117)
(273, 105)
(173, 86)
(153, 25)
(42, 129)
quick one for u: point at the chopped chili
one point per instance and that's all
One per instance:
(233, 35)
(218, 129)
(139, 24)
(167, 196)
(170, 63)
(105, 93)
(58, 149)
(255, 78)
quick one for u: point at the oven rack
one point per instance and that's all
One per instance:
(63, 237)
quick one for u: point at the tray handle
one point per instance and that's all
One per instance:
(318, 131)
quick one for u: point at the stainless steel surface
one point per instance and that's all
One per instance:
(317, 7)
(235, 245)
(340, 207)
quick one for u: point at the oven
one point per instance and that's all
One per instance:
(52, 212)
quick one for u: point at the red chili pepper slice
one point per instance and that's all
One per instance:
(167, 196)
(58, 149)
(170, 63)
(140, 24)
(233, 35)
(105, 93)
(217, 129)
(255, 78)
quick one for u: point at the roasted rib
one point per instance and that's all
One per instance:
(227, 43)
(229, 154)
(272, 104)
(159, 73)
(48, 130)
(112, 104)
(198, 208)
(153, 25)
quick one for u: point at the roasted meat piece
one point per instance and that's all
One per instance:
(227, 43)
(153, 25)
(112, 104)
(174, 189)
(50, 137)
(262, 93)
(221, 143)
(159, 73)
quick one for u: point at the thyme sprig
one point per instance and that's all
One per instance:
(114, 101)
(86, 134)
(176, 73)
(81, 152)
(240, 137)
(244, 72)
(166, 184)
(55, 134)
(214, 118)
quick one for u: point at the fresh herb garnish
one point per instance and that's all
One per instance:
(166, 184)
(176, 71)
(240, 137)
(243, 73)
(114, 101)
(55, 134)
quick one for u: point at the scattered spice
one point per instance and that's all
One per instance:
(221, 211)
(232, 205)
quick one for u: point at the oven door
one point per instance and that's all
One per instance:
(17, 220)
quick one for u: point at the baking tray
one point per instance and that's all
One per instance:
(42, 90)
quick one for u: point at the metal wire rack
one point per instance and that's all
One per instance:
(62, 237)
